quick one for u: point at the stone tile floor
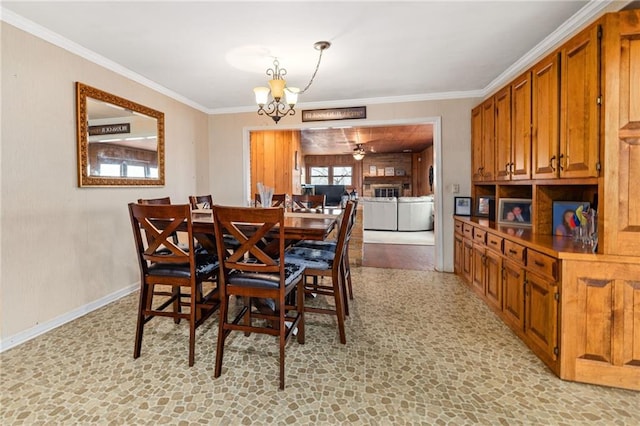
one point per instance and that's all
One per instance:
(421, 350)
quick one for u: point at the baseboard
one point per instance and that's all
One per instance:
(24, 336)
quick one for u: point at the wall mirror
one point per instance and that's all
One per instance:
(120, 142)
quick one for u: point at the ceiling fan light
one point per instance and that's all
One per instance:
(358, 152)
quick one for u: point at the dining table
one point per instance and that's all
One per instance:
(297, 225)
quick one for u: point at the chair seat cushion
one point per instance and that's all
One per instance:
(206, 264)
(320, 245)
(292, 272)
(311, 258)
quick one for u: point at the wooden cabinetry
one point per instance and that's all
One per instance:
(600, 342)
(580, 100)
(545, 117)
(521, 127)
(577, 310)
(513, 294)
(502, 127)
(483, 142)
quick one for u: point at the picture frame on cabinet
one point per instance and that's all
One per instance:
(565, 217)
(484, 204)
(514, 211)
(462, 206)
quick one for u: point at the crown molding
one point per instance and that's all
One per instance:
(589, 12)
(66, 44)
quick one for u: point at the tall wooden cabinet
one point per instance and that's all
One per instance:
(483, 142)
(578, 109)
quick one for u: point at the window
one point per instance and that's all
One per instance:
(342, 175)
(331, 175)
(319, 175)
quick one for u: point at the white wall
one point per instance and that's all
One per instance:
(65, 250)
(228, 133)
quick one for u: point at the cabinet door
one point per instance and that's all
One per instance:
(477, 282)
(579, 105)
(521, 127)
(467, 260)
(541, 307)
(545, 117)
(622, 150)
(513, 294)
(476, 143)
(601, 323)
(488, 140)
(457, 254)
(503, 134)
(493, 279)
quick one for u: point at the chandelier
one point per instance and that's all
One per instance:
(279, 107)
(358, 152)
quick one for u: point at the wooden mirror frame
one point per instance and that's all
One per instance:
(82, 121)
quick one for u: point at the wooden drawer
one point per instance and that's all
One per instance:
(458, 227)
(479, 235)
(542, 264)
(494, 242)
(514, 251)
(467, 230)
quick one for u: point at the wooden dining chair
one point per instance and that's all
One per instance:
(277, 200)
(308, 203)
(330, 245)
(325, 263)
(201, 201)
(165, 264)
(250, 273)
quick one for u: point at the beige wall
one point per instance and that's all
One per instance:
(228, 133)
(66, 250)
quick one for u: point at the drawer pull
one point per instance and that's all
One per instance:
(495, 243)
(538, 263)
(512, 251)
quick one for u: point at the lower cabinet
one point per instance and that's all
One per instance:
(578, 312)
(457, 254)
(513, 294)
(541, 315)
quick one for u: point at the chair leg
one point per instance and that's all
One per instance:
(300, 307)
(282, 340)
(348, 266)
(142, 305)
(343, 284)
(192, 325)
(224, 304)
(339, 298)
(177, 308)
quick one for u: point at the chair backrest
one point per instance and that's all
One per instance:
(249, 226)
(205, 201)
(308, 202)
(163, 200)
(344, 232)
(159, 223)
(277, 200)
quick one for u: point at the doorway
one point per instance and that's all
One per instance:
(434, 178)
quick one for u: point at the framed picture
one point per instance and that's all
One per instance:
(565, 218)
(462, 206)
(514, 211)
(483, 205)
(372, 170)
(389, 171)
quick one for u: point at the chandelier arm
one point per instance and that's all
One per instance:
(314, 73)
